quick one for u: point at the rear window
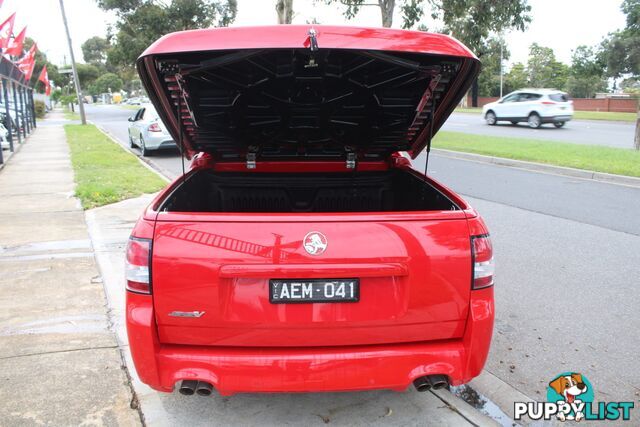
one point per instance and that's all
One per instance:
(149, 113)
(559, 97)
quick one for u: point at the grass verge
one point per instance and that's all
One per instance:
(468, 110)
(590, 157)
(71, 115)
(605, 115)
(577, 115)
(130, 107)
(104, 172)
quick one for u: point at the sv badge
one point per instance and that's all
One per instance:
(186, 313)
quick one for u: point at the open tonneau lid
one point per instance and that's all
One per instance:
(297, 92)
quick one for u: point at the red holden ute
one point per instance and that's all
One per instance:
(301, 252)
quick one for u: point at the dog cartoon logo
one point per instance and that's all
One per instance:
(571, 388)
(315, 243)
(570, 397)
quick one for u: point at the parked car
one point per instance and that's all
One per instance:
(533, 106)
(301, 252)
(133, 101)
(147, 132)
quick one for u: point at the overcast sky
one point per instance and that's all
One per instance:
(559, 24)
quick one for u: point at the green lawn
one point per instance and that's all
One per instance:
(468, 110)
(577, 115)
(130, 107)
(590, 157)
(604, 115)
(104, 172)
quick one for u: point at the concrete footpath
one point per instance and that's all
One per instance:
(59, 360)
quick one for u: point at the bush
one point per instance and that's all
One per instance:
(40, 109)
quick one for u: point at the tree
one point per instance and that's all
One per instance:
(622, 51)
(141, 22)
(470, 21)
(284, 9)
(516, 78)
(586, 74)
(386, 8)
(489, 79)
(108, 82)
(544, 70)
(87, 74)
(94, 50)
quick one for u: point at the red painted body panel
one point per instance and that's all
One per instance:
(197, 266)
(248, 369)
(296, 36)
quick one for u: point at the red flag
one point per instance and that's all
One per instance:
(6, 29)
(27, 62)
(15, 46)
(44, 78)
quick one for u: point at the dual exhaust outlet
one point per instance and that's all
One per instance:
(428, 382)
(191, 387)
(202, 388)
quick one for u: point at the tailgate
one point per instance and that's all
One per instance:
(414, 280)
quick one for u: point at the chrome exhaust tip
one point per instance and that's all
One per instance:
(439, 382)
(422, 384)
(204, 389)
(188, 387)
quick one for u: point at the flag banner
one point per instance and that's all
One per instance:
(44, 78)
(28, 62)
(15, 45)
(6, 29)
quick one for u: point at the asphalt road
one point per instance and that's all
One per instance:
(568, 266)
(592, 132)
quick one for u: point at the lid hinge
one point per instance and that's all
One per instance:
(252, 154)
(351, 158)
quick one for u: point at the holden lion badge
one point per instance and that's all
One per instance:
(315, 243)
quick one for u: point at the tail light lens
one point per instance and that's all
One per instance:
(483, 266)
(155, 127)
(548, 103)
(137, 264)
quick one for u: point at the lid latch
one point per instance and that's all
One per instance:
(313, 39)
(351, 158)
(252, 154)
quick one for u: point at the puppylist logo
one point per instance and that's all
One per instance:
(570, 397)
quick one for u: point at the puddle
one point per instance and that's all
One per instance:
(60, 325)
(55, 245)
(46, 256)
(483, 404)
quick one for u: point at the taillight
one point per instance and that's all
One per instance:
(154, 127)
(483, 266)
(137, 265)
(548, 103)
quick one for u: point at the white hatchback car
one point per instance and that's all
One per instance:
(534, 106)
(148, 132)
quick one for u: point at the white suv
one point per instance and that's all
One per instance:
(534, 106)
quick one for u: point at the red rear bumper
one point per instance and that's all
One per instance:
(234, 369)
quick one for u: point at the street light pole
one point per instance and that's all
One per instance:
(501, 42)
(73, 66)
